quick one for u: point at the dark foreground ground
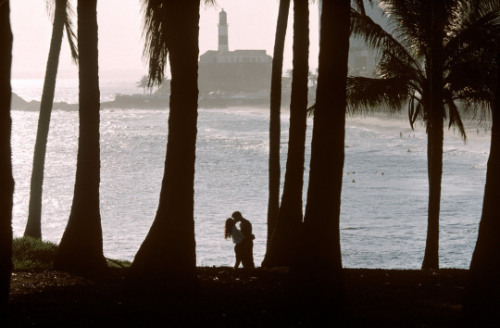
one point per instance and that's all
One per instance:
(238, 298)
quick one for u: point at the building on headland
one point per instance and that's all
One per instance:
(239, 72)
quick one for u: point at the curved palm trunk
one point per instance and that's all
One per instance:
(80, 248)
(282, 248)
(273, 205)
(435, 136)
(6, 179)
(34, 225)
(321, 237)
(169, 249)
(482, 292)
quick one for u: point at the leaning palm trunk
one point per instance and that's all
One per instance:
(273, 205)
(81, 246)
(482, 294)
(281, 250)
(6, 179)
(169, 248)
(33, 225)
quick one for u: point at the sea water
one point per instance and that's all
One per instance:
(383, 218)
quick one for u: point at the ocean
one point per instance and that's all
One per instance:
(384, 194)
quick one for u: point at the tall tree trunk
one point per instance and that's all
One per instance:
(435, 136)
(34, 223)
(6, 179)
(321, 244)
(285, 236)
(482, 294)
(169, 248)
(81, 247)
(273, 204)
(319, 268)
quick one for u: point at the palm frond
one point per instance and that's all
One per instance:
(155, 34)
(369, 94)
(454, 118)
(415, 110)
(376, 37)
(70, 30)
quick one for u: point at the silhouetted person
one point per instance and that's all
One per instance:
(230, 231)
(247, 243)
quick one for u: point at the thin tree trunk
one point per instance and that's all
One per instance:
(435, 132)
(34, 223)
(81, 246)
(6, 179)
(169, 248)
(275, 119)
(482, 294)
(285, 236)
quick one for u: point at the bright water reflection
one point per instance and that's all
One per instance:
(384, 202)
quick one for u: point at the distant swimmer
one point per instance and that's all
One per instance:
(409, 150)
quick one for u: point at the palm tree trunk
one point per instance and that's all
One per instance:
(6, 179)
(482, 300)
(435, 64)
(321, 242)
(319, 268)
(169, 248)
(34, 224)
(285, 236)
(275, 119)
(81, 246)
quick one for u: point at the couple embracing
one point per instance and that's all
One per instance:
(242, 238)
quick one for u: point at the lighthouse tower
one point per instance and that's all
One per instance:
(223, 45)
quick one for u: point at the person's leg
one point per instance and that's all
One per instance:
(238, 255)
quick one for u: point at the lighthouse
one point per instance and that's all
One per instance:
(223, 45)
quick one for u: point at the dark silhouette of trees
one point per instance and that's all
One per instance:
(440, 52)
(81, 246)
(321, 235)
(169, 248)
(275, 119)
(6, 179)
(482, 294)
(281, 249)
(62, 20)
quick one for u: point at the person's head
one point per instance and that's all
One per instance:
(237, 216)
(228, 227)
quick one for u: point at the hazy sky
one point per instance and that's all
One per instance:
(252, 25)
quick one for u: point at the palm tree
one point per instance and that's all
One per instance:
(6, 179)
(281, 251)
(481, 300)
(169, 248)
(439, 52)
(81, 246)
(62, 20)
(275, 119)
(321, 235)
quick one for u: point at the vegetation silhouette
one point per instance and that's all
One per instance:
(482, 294)
(169, 247)
(273, 204)
(63, 13)
(281, 249)
(441, 66)
(430, 61)
(6, 178)
(81, 248)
